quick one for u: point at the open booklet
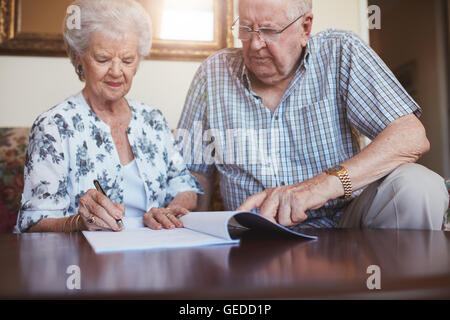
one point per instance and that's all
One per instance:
(200, 229)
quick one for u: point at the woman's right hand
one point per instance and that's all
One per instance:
(98, 212)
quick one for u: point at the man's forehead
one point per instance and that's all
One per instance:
(264, 4)
(263, 10)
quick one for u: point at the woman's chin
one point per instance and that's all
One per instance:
(112, 95)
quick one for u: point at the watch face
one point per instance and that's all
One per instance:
(335, 169)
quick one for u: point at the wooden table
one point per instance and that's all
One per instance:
(412, 264)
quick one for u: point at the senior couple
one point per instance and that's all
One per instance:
(310, 90)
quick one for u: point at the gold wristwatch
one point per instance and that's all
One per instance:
(342, 174)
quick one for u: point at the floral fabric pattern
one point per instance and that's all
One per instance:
(447, 215)
(70, 147)
(13, 147)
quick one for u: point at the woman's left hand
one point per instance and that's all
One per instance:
(168, 218)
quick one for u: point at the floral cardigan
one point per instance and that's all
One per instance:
(69, 147)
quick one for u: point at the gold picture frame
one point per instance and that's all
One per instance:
(16, 40)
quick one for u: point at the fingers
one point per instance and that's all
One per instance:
(115, 211)
(298, 215)
(92, 222)
(280, 205)
(121, 207)
(178, 211)
(284, 211)
(162, 216)
(263, 200)
(175, 221)
(150, 221)
(158, 218)
(254, 201)
(269, 207)
(98, 211)
(175, 214)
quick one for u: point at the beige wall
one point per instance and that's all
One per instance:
(30, 85)
(403, 40)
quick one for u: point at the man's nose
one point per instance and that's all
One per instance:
(256, 42)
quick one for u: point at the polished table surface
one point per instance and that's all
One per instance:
(412, 264)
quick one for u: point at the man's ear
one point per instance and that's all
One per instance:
(307, 23)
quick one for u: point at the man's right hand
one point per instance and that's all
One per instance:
(288, 205)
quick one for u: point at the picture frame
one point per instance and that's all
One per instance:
(19, 38)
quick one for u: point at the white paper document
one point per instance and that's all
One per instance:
(200, 229)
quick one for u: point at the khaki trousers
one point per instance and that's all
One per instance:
(410, 197)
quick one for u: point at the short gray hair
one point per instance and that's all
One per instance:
(113, 17)
(298, 7)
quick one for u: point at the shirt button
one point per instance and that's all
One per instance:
(283, 183)
(276, 118)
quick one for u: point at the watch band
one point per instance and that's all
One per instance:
(342, 174)
(345, 179)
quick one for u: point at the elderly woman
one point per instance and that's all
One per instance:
(98, 134)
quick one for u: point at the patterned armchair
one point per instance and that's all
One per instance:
(447, 226)
(13, 148)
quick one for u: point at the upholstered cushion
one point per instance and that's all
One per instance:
(448, 211)
(216, 199)
(13, 148)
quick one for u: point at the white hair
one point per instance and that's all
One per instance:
(298, 7)
(112, 17)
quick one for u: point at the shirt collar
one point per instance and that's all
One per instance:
(80, 100)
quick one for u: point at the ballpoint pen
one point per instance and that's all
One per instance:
(100, 189)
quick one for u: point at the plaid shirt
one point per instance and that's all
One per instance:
(341, 83)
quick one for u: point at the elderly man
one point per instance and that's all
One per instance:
(304, 95)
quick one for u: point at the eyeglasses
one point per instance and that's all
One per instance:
(244, 33)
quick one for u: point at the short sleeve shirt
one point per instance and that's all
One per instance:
(341, 84)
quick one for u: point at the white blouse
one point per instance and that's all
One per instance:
(134, 198)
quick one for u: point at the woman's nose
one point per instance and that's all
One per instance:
(116, 69)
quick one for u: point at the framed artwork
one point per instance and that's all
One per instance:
(182, 29)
